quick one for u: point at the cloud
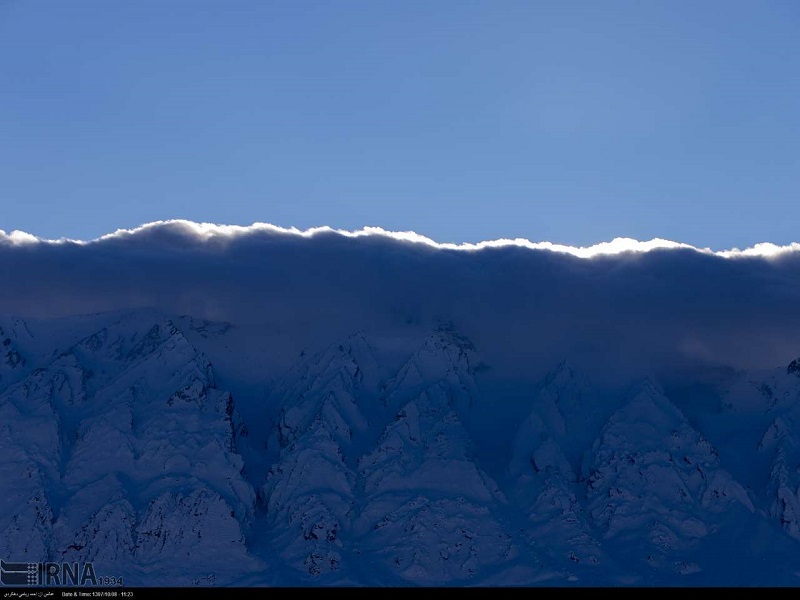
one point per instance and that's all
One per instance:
(212, 233)
(620, 306)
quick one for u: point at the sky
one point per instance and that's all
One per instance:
(571, 122)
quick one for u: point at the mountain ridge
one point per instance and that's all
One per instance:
(124, 450)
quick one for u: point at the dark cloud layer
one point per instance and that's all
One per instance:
(523, 307)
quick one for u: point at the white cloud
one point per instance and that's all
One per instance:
(208, 232)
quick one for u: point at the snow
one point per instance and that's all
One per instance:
(367, 461)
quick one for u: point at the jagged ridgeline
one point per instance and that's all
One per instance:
(397, 459)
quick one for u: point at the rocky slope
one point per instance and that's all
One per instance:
(121, 446)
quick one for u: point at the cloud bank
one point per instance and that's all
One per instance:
(616, 306)
(216, 233)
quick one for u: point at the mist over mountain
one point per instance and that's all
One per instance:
(192, 404)
(638, 310)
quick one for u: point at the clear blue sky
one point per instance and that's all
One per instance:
(463, 120)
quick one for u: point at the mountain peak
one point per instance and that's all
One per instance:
(448, 350)
(443, 359)
(794, 367)
(566, 375)
(445, 334)
(14, 337)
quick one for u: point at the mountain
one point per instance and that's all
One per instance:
(310, 491)
(122, 448)
(549, 450)
(14, 337)
(430, 514)
(657, 486)
(781, 444)
(136, 440)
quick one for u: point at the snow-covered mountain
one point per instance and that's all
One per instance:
(310, 491)
(122, 448)
(14, 337)
(549, 450)
(128, 439)
(429, 513)
(656, 485)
